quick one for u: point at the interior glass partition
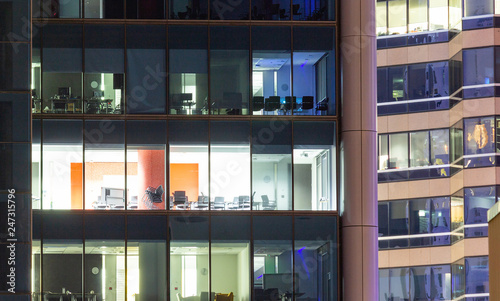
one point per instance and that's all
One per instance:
(104, 69)
(146, 154)
(271, 165)
(189, 258)
(188, 150)
(313, 72)
(271, 73)
(62, 160)
(62, 69)
(229, 70)
(104, 165)
(230, 256)
(230, 165)
(188, 68)
(314, 166)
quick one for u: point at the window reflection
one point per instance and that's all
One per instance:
(477, 201)
(397, 17)
(418, 16)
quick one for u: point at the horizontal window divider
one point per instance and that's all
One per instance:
(414, 236)
(414, 168)
(478, 17)
(479, 86)
(412, 101)
(481, 155)
(476, 295)
(476, 225)
(411, 34)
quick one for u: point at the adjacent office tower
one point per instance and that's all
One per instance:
(437, 147)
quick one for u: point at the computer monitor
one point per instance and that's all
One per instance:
(64, 91)
(113, 197)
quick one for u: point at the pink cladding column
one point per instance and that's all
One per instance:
(358, 210)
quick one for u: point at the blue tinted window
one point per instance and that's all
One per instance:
(477, 201)
(476, 275)
(478, 66)
(14, 118)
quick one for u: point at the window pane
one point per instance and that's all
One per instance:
(420, 214)
(419, 149)
(458, 278)
(478, 139)
(315, 246)
(104, 165)
(381, 17)
(230, 256)
(229, 10)
(478, 7)
(383, 152)
(398, 83)
(266, 10)
(15, 166)
(397, 17)
(398, 222)
(418, 15)
(383, 284)
(146, 69)
(103, 9)
(476, 275)
(477, 201)
(271, 162)
(272, 256)
(455, 12)
(188, 80)
(36, 147)
(146, 142)
(313, 70)
(313, 11)
(399, 281)
(271, 63)
(440, 219)
(382, 93)
(184, 9)
(14, 59)
(457, 215)
(229, 70)
(439, 147)
(189, 258)
(314, 166)
(61, 9)
(398, 150)
(14, 118)
(188, 143)
(152, 9)
(14, 19)
(230, 165)
(478, 67)
(383, 224)
(438, 14)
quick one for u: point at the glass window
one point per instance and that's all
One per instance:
(315, 257)
(456, 77)
(146, 257)
(314, 166)
(229, 70)
(104, 71)
(455, 13)
(428, 80)
(456, 141)
(36, 268)
(14, 118)
(272, 256)
(230, 165)
(383, 284)
(399, 283)
(313, 10)
(188, 145)
(189, 258)
(479, 139)
(381, 17)
(229, 10)
(438, 14)
(457, 216)
(458, 278)
(15, 166)
(420, 212)
(14, 19)
(19, 214)
(431, 283)
(61, 9)
(476, 275)
(398, 150)
(383, 152)
(62, 164)
(103, 9)
(36, 151)
(313, 71)
(62, 69)
(418, 85)
(104, 165)
(478, 66)
(477, 201)
(271, 161)
(184, 9)
(398, 83)
(146, 142)
(151, 9)
(146, 69)
(271, 74)
(478, 7)
(440, 219)
(418, 15)
(188, 63)
(15, 66)
(440, 140)
(397, 17)
(230, 256)
(398, 223)
(271, 10)
(382, 83)
(383, 224)
(419, 149)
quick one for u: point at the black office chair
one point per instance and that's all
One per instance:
(258, 103)
(307, 103)
(295, 10)
(290, 103)
(152, 196)
(267, 204)
(219, 203)
(272, 103)
(180, 200)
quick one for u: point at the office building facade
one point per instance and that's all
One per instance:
(437, 123)
(159, 150)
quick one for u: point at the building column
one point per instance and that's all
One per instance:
(359, 214)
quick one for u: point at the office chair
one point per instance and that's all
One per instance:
(235, 204)
(181, 199)
(290, 103)
(224, 297)
(244, 202)
(258, 103)
(272, 103)
(307, 102)
(267, 204)
(202, 202)
(219, 203)
(322, 105)
(295, 10)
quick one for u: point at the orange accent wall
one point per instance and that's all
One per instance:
(151, 172)
(184, 176)
(76, 185)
